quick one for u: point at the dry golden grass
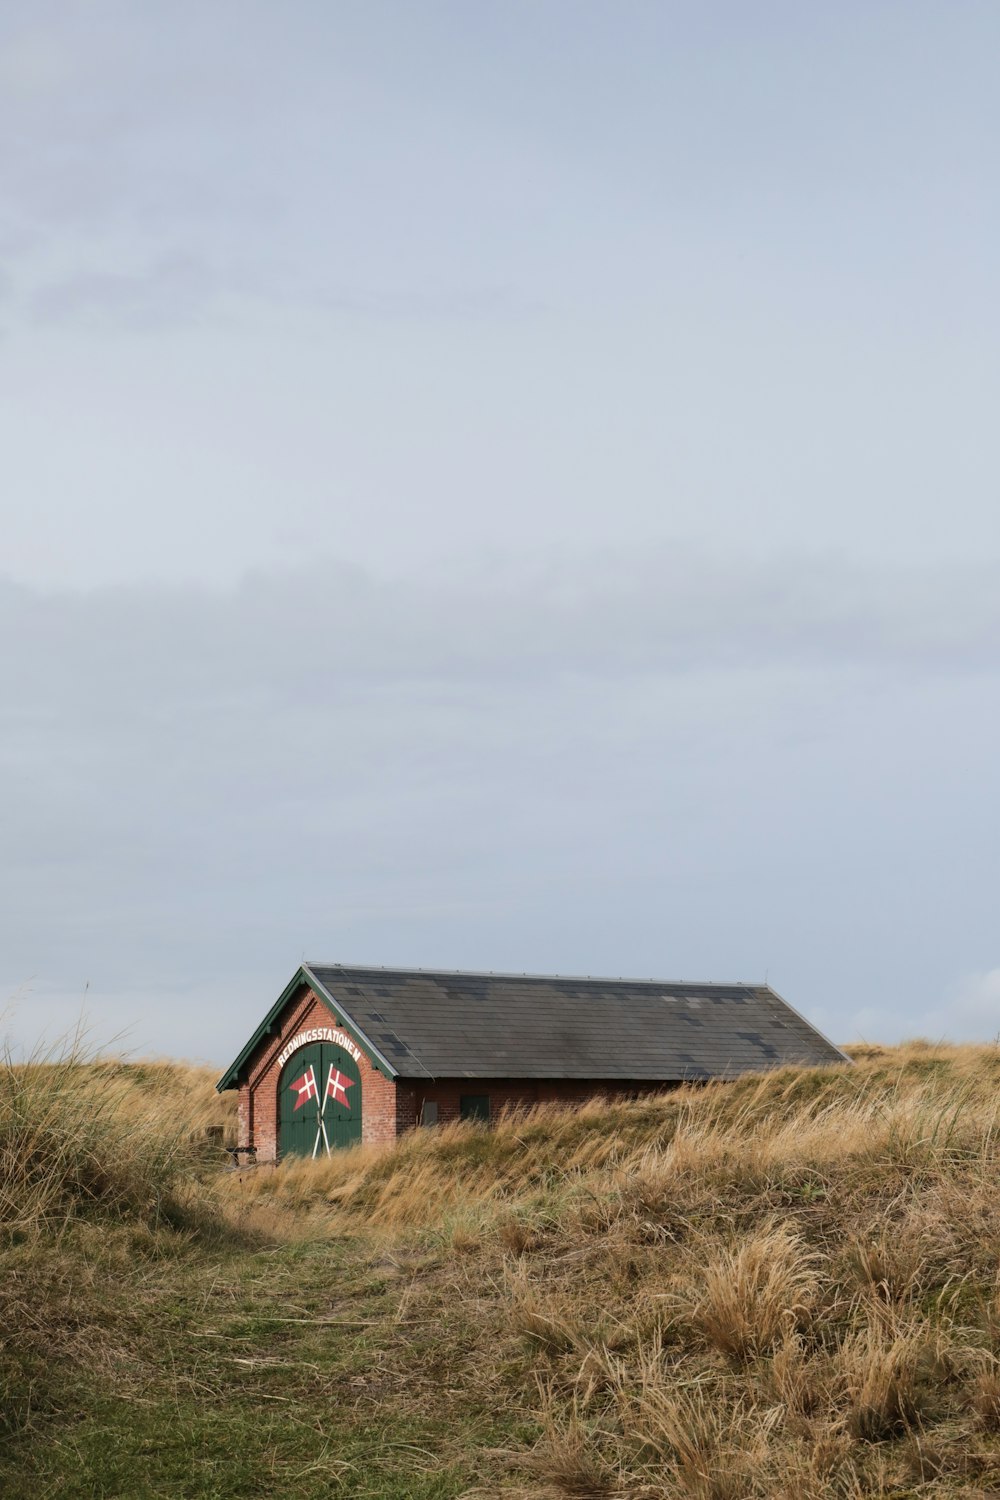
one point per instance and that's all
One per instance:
(105, 1133)
(743, 1297)
(889, 1375)
(984, 1397)
(87, 1147)
(783, 1286)
(786, 1286)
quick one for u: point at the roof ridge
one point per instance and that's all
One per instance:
(704, 984)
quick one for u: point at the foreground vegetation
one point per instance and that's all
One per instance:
(785, 1286)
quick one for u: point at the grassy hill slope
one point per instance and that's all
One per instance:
(778, 1287)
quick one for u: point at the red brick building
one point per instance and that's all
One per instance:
(360, 1054)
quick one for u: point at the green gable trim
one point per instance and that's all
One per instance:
(303, 978)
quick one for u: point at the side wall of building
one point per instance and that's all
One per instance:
(522, 1093)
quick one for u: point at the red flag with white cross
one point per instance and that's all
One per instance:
(306, 1087)
(337, 1084)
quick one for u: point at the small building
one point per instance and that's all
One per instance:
(361, 1054)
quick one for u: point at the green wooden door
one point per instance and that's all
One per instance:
(319, 1101)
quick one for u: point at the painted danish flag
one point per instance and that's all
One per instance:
(337, 1084)
(306, 1087)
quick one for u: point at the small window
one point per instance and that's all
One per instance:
(475, 1107)
(429, 1112)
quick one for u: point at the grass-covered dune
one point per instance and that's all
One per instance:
(783, 1286)
(100, 1173)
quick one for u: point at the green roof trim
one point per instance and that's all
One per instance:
(303, 976)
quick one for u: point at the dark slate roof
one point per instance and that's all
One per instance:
(429, 1023)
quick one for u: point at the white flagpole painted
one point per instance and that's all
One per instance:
(320, 1125)
(320, 1121)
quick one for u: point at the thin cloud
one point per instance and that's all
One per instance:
(670, 611)
(174, 290)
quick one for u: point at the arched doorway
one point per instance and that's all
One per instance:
(319, 1101)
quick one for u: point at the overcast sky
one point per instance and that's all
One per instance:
(501, 485)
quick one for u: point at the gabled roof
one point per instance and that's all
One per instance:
(422, 1023)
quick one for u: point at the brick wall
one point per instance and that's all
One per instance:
(521, 1093)
(258, 1103)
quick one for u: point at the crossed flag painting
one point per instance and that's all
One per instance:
(337, 1084)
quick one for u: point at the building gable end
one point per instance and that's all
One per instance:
(271, 1024)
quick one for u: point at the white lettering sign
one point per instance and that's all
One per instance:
(319, 1034)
